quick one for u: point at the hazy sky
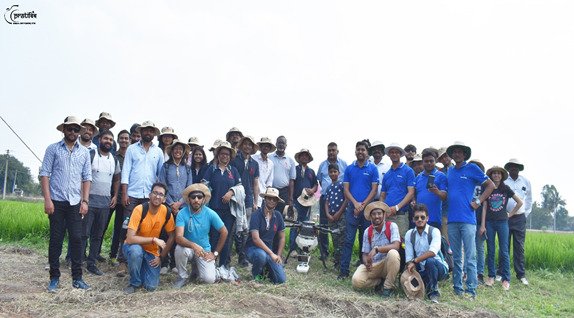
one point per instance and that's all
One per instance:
(498, 75)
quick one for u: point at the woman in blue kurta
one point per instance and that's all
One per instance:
(198, 164)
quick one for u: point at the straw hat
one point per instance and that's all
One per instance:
(225, 144)
(459, 144)
(376, 144)
(168, 131)
(194, 141)
(104, 115)
(413, 285)
(196, 187)
(70, 120)
(478, 163)
(396, 146)
(271, 193)
(89, 122)
(514, 161)
(306, 200)
(302, 151)
(255, 146)
(290, 213)
(373, 206)
(232, 130)
(499, 169)
(186, 147)
(267, 140)
(148, 124)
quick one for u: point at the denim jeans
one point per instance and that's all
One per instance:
(500, 229)
(65, 217)
(353, 224)
(459, 235)
(479, 240)
(302, 215)
(229, 222)
(433, 272)
(141, 272)
(260, 260)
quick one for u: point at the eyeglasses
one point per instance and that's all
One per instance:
(419, 217)
(72, 128)
(195, 196)
(158, 194)
(224, 154)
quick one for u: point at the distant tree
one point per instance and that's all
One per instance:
(22, 173)
(539, 218)
(553, 202)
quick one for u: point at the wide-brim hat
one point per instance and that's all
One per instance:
(375, 205)
(196, 187)
(396, 146)
(168, 131)
(255, 146)
(70, 120)
(267, 140)
(194, 141)
(478, 163)
(104, 115)
(515, 162)
(418, 157)
(186, 147)
(89, 122)
(306, 200)
(216, 144)
(271, 193)
(441, 152)
(459, 144)
(413, 285)
(148, 124)
(376, 144)
(499, 169)
(225, 144)
(233, 130)
(302, 151)
(290, 212)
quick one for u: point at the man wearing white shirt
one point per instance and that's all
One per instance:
(517, 223)
(265, 166)
(377, 151)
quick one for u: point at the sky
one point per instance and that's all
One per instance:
(497, 75)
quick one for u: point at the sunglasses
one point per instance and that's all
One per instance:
(72, 128)
(419, 217)
(195, 196)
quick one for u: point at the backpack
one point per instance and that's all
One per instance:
(93, 154)
(444, 253)
(370, 234)
(145, 209)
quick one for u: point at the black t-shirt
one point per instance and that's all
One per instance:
(496, 203)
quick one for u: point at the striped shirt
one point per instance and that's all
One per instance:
(66, 170)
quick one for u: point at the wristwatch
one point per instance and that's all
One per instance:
(86, 201)
(216, 253)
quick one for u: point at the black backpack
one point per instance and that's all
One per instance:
(445, 252)
(145, 209)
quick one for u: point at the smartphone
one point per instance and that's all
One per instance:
(430, 181)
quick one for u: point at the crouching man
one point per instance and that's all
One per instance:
(192, 228)
(142, 243)
(422, 248)
(381, 260)
(267, 223)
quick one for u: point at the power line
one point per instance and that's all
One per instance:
(21, 140)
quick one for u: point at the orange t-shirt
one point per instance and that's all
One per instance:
(150, 226)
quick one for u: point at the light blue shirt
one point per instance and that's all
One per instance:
(66, 170)
(197, 225)
(177, 178)
(323, 174)
(283, 170)
(422, 245)
(141, 168)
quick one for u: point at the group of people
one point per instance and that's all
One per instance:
(173, 207)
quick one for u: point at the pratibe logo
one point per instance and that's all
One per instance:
(13, 15)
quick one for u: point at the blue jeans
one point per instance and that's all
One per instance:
(302, 215)
(433, 272)
(459, 235)
(141, 272)
(353, 225)
(500, 229)
(260, 260)
(479, 240)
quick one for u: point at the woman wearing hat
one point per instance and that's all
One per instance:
(166, 138)
(496, 218)
(221, 178)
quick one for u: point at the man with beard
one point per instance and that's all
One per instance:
(431, 188)
(283, 173)
(104, 123)
(65, 177)
(141, 167)
(233, 137)
(86, 134)
(265, 166)
(105, 172)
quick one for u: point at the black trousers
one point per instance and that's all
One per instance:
(65, 217)
(517, 236)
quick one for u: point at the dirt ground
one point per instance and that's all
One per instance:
(23, 281)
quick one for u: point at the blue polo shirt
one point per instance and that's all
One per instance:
(248, 171)
(461, 183)
(302, 181)
(197, 225)
(396, 183)
(431, 200)
(266, 233)
(220, 182)
(361, 179)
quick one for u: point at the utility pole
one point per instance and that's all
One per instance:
(5, 175)
(14, 183)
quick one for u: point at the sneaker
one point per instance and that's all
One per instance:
(489, 282)
(524, 281)
(505, 285)
(122, 270)
(179, 283)
(163, 270)
(47, 266)
(498, 278)
(113, 262)
(129, 290)
(174, 270)
(480, 279)
(100, 259)
(434, 298)
(386, 293)
(342, 276)
(94, 270)
(53, 285)
(80, 284)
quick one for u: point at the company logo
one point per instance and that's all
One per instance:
(13, 15)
